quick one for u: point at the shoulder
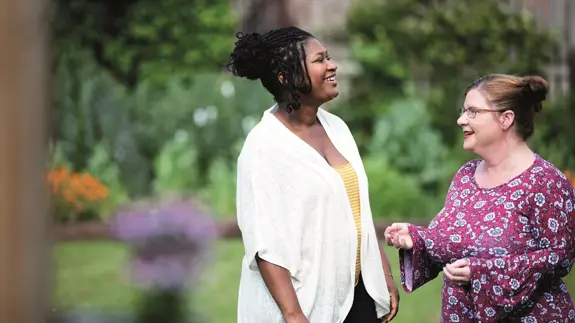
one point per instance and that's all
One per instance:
(550, 180)
(329, 115)
(258, 140)
(464, 175)
(550, 188)
(264, 147)
(333, 120)
(338, 126)
(545, 174)
(467, 170)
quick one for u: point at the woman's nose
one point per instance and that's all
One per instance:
(462, 120)
(332, 66)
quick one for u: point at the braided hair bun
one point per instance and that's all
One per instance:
(249, 56)
(277, 52)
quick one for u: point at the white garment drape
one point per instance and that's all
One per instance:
(293, 209)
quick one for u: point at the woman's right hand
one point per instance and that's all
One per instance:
(397, 235)
(298, 318)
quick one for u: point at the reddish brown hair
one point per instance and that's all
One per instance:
(521, 94)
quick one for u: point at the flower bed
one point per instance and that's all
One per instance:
(75, 196)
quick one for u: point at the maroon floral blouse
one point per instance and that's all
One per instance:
(519, 239)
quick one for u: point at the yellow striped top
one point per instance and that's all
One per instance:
(349, 178)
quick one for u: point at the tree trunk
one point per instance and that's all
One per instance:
(25, 259)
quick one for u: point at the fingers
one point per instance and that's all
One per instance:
(456, 275)
(460, 263)
(457, 271)
(394, 227)
(406, 242)
(400, 241)
(391, 237)
(449, 275)
(388, 317)
(398, 226)
(394, 308)
(395, 240)
(389, 234)
(389, 241)
(389, 230)
(394, 236)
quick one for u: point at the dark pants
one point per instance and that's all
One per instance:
(363, 308)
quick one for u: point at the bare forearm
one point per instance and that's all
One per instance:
(279, 283)
(385, 261)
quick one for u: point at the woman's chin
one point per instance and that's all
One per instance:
(329, 96)
(468, 145)
(332, 94)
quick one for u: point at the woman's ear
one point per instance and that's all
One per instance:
(281, 78)
(507, 119)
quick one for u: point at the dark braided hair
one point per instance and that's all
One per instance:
(265, 57)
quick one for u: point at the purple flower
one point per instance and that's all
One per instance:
(169, 239)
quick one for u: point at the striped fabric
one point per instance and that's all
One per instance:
(349, 178)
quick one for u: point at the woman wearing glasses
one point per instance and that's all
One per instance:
(505, 237)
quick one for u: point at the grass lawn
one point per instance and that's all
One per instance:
(89, 275)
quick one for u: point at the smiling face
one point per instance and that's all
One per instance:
(484, 126)
(321, 72)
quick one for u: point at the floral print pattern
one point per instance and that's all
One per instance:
(519, 239)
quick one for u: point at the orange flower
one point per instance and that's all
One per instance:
(57, 177)
(77, 191)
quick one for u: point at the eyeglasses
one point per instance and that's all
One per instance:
(472, 112)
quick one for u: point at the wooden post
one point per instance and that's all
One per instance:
(25, 254)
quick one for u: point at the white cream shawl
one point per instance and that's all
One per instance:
(293, 209)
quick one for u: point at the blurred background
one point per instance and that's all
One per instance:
(142, 107)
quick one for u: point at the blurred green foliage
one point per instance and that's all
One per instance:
(141, 101)
(438, 48)
(137, 40)
(404, 138)
(416, 59)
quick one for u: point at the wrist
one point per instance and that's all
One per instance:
(293, 315)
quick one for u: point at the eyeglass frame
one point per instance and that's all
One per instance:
(471, 112)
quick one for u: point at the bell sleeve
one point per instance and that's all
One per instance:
(416, 267)
(268, 228)
(506, 284)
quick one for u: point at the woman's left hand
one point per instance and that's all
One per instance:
(394, 299)
(458, 272)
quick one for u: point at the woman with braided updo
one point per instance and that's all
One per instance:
(311, 251)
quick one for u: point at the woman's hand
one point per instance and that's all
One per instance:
(397, 235)
(393, 299)
(296, 318)
(458, 272)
